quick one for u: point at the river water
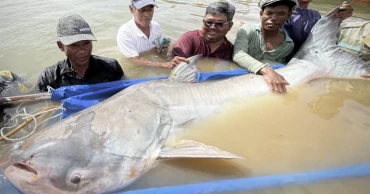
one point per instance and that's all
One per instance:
(28, 32)
(320, 125)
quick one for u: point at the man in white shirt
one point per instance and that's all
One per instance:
(141, 34)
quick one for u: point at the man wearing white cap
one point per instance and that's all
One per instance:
(80, 67)
(141, 34)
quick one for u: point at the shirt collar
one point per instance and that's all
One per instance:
(67, 68)
(287, 38)
(137, 29)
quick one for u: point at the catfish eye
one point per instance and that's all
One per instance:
(75, 179)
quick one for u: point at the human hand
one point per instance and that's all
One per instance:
(275, 81)
(346, 11)
(162, 49)
(176, 61)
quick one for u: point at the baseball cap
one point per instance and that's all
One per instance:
(264, 3)
(142, 3)
(72, 28)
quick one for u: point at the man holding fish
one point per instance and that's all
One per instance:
(257, 46)
(141, 34)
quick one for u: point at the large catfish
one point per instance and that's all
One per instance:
(108, 146)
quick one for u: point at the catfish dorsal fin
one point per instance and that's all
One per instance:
(185, 72)
(192, 149)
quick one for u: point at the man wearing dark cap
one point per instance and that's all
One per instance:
(80, 67)
(141, 34)
(261, 45)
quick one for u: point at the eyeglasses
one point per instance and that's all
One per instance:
(218, 24)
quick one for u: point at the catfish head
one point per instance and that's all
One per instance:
(71, 166)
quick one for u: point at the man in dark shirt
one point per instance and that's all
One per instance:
(80, 67)
(211, 40)
(303, 19)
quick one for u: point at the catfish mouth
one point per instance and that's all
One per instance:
(25, 167)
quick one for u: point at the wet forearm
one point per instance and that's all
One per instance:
(244, 60)
(145, 62)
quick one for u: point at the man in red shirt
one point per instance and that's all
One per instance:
(211, 40)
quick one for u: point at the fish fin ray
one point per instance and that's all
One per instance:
(192, 149)
(185, 72)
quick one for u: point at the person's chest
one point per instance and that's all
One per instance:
(274, 43)
(92, 76)
(145, 43)
(221, 51)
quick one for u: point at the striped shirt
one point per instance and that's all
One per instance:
(250, 49)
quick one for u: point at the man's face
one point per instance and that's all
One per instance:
(78, 53)
(214, 28)
(143, 16)
(273, 18)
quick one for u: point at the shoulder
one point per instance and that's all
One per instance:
(107, 62)
(50, 74)
(155, 29)
(155, 25)
(108, 66)
(127, 25)
(54, 69)
(314, 12)
(189, 39)
(305, 14)
(229, 44)
(315, 15)
(126, 29)
(190, 34)
(249, 29)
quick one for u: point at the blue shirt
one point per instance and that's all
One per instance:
(300, 25)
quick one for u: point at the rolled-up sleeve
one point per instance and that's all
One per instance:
(241, 56)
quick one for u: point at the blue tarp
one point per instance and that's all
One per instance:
(242, 184)
(253, 183)
(78, 97)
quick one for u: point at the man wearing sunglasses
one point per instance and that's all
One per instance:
(141, 34)
(260, 45)
(211, 40)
